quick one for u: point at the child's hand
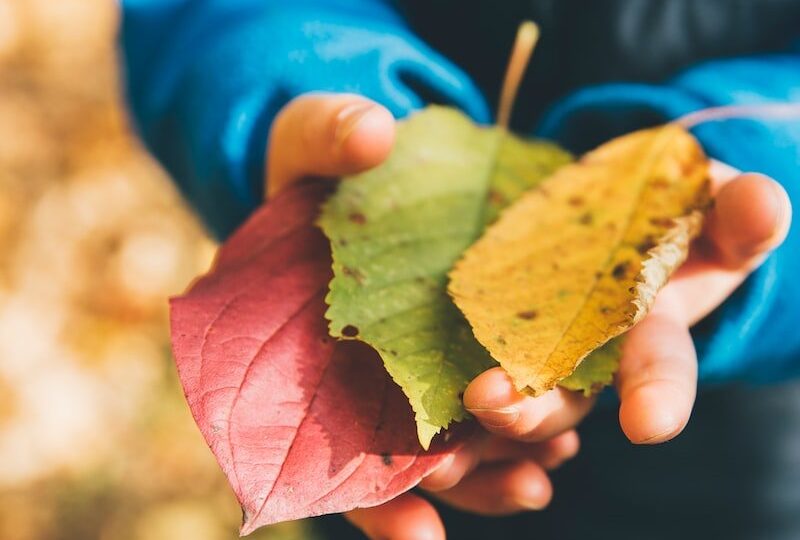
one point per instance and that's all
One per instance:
(334, 135)
(325, 135)
(657, 379)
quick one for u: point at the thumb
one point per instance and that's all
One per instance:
(327, 135)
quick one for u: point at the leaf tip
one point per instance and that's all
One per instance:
(426, 432)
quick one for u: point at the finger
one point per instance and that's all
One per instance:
(457, 465)
(657, 379)
(500, 409)
(327, 135)
(408, 517)
(751, 216)
(550, 454)
(500, 489)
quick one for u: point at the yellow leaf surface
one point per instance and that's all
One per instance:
(579, 259)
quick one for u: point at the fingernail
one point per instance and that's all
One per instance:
(349, 118)
(528, 501)
(783, 216)
(780, 224)
(530, 504)
(496, 418)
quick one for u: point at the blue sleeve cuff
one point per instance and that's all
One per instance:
(205, 98)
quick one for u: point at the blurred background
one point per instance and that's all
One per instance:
(95, 438)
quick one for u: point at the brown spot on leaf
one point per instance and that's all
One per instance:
(586, 219)
(662, 222)
(350, 331)
(358, 218)
(621, 270)
(501, 340)
(353, 273)
(495, 197)
(688, 166)
(605, 310)
(661, 183)
(576, 201)
(646, 245)
(528, 315)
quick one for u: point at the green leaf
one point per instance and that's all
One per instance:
(396, 232)
(597, 370)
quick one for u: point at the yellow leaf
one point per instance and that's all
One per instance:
(579, 259)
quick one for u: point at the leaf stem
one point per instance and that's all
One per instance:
(763, 111)
(524, 44)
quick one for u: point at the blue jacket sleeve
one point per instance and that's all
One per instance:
(753, 336)
(206, 77)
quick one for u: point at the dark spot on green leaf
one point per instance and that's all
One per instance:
(353, 273)
(528, 315)
(350, 331)
(358, 218)
(496, 198)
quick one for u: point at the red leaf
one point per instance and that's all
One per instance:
(302, 425)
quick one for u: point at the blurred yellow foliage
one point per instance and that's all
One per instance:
(95, 438)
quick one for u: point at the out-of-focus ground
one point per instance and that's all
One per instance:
(95, 438)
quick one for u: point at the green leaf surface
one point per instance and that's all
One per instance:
(597, 370)
(396, 232)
